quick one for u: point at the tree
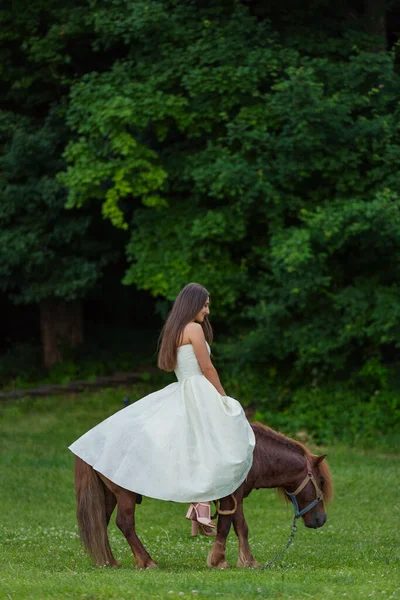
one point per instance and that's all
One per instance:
(251, 146)
(260, 163)
(48, 256)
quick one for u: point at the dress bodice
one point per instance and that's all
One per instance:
(187, 364)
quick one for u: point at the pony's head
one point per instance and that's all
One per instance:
(301, 477)
(314, 488)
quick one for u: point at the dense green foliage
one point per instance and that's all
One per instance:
(254, 147)
(45, 250)
(354, 555)
(267, 167)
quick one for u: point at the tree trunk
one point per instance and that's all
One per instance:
(375, 20)
(61, 325)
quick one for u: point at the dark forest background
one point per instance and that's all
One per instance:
(253, 147)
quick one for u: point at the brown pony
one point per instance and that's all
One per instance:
(279, 462)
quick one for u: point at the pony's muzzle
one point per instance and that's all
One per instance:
(315, 519)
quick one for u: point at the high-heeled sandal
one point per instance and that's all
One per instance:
(193, 514)
(203, 529)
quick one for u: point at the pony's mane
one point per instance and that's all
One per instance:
(268, 433)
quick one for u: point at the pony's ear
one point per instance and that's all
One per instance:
(319, 459)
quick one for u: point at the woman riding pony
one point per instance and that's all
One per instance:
(188, 442)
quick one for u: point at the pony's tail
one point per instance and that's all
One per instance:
(91, 513)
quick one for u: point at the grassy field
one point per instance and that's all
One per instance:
(355, 555)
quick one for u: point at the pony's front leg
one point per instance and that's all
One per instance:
(246, 559)
(126, 522)
(216, 558)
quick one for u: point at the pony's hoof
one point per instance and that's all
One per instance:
(222, 564)
(112, 563)
(149, 564)
(248, 564)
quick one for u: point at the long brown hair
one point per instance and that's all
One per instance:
(187, 305)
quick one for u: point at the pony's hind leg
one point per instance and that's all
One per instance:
(246, 559)
(110, 503)
(126, 501)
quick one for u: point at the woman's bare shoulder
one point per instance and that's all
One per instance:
(193, 327)
(192, 331)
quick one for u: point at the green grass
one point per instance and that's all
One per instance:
(355, 555)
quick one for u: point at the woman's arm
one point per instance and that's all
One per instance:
(196, 337)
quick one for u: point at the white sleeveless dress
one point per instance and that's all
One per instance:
(184, 443)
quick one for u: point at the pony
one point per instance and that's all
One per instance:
(279, 462)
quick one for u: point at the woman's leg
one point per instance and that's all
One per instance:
(200, 515)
